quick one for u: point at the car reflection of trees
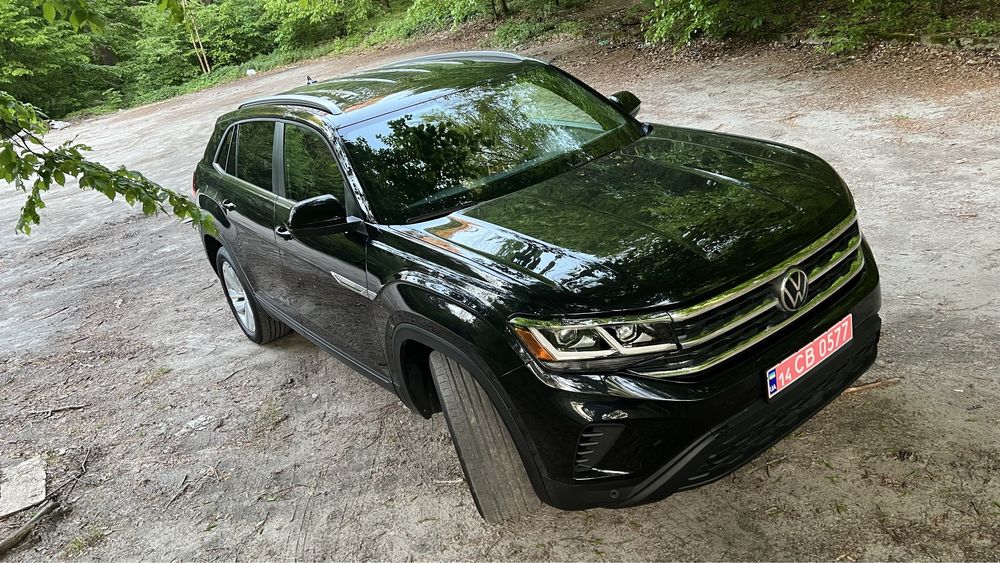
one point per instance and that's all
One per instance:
(476, 145)
(438, 161)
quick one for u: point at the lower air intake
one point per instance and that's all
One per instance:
(594, 443)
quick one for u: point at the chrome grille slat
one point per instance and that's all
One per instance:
(853, 247)
(738, 321)
(715, 330)
(856, 266)
(766, 277)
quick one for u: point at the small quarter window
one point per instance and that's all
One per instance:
(310, 168)
(227, 152)
(254, 146)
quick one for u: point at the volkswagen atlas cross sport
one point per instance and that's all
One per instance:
(607, 311)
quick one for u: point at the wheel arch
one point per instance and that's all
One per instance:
(412, 341)
(212, 246)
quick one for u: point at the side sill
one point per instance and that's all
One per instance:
(333, 351)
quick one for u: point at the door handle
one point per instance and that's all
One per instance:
(283, 232)
(228, 205)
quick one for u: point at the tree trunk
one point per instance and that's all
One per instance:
(504, 10)
(199, 47)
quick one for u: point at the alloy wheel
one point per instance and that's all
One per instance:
(238, 298)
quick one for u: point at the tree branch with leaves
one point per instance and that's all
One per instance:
(31, 166)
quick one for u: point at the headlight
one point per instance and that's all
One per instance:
(594, 339)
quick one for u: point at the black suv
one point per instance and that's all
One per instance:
(607, 311)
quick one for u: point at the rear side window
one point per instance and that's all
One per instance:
(310, 168)
(227, 152)
(254, 144)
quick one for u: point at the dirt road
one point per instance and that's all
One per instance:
(205, 446)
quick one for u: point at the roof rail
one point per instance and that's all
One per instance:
(478, 56)
(295, 100)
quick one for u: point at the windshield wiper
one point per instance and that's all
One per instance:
(439, 213)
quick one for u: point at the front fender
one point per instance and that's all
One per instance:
(450, 314)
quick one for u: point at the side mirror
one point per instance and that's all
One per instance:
(627, 101)
(320, 215)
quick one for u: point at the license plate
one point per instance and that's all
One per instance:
(811, 355)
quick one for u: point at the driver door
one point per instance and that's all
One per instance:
(325, 275)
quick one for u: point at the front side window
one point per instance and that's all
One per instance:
(480, 143)
(253, 156)
(310, 168)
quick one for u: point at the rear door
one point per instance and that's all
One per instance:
(247, 197)
(326, 274)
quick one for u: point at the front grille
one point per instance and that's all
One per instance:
(715, 330)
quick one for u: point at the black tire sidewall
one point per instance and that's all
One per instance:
(223, 256)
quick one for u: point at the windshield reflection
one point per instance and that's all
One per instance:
(481, 143)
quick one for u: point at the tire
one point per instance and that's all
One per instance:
(257, 325)
(493, 469)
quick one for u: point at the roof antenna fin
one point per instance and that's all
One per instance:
(309, 80)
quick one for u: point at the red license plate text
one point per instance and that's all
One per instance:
(811, 355)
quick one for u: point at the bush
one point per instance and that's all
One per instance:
(161, 55)
(845, 24)
(305, 24)
(429, 15)
(235, 31)
(679, 20)
(515, 33)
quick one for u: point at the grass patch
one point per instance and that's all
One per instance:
(269, 416)
(156, 375)
(515, 33)
(86, 539)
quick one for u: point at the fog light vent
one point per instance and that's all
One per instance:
(594, 443)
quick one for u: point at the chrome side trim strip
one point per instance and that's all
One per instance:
(766, 277)
(857, 266)
(355, 287)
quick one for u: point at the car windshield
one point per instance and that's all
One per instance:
(481, 143)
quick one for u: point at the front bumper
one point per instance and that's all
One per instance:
(673, 435)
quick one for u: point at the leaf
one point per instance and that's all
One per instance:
(49, 12)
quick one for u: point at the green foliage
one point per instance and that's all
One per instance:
(161, 54)
(308, 23)
(78, 13)
(845, 24)
(515, 33)
(46, 64)
(424, 16)
(235, 31)
(849, 24)
(680, 20)
(985, 27)
(33, 168)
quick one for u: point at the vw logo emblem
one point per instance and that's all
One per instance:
(793, 290)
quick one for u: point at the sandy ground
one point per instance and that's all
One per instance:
(204, 446)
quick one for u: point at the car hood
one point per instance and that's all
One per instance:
(669, 220)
